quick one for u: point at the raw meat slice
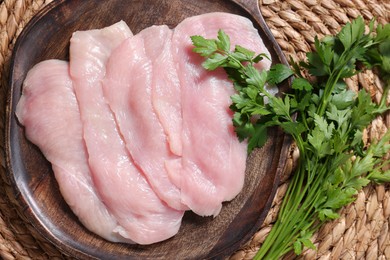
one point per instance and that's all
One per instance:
(46, 103)
(128, 89)
(144, 217)
(213, 160)
(166, 98)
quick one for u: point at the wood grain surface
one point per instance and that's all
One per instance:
(47, 36)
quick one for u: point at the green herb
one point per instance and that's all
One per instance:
(325, 119)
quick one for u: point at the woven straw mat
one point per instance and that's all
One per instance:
(362, 232)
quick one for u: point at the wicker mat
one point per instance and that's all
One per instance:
(362, 232)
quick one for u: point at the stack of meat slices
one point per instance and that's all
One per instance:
(137, 132)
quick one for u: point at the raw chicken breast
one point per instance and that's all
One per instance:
(131, 76)
(212, 167)
(143, 217)
(166, 98)
(47, 102)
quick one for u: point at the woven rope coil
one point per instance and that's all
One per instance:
(362, 231)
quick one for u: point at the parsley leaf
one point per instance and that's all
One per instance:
(278, 73)
(203, 47)
(301, 84)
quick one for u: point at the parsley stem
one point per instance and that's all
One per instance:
(296, 212)
(385, 93)
(329, 87)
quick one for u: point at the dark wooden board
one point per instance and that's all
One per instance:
(47, 36)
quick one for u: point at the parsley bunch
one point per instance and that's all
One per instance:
(325, 119)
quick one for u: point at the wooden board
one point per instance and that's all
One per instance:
(47, 36)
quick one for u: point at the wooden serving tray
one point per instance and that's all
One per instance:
(47, 36)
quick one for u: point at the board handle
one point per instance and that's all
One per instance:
(253, 8)
(250, 5)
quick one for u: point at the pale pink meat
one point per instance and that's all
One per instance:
(166, 97)
(132, 73)
(212, 167)
(143, 217)
(47, 101)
